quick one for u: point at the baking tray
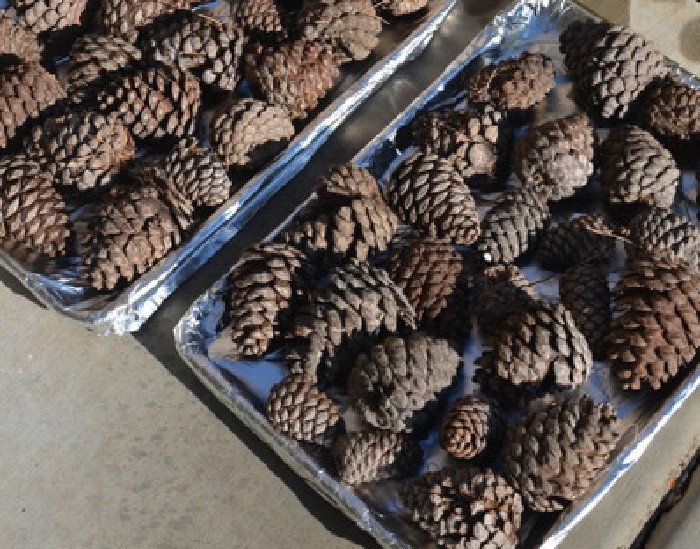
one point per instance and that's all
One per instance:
(244, 386)
(58, 285)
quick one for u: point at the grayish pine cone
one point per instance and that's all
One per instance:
(48, 15)
(124, 18)
(471, 426)
(94, 57)
(16, 39)
(673, 113)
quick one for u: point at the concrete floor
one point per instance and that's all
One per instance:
(112, 442)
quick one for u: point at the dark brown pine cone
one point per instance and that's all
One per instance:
(637, 169)
(391, 385)
(348, 179)
(428, 193)
(586, 238)
(25, 91)
(303, 412)
(248, 132)
(264, 285)
(261, 19)
(398, 8)
(33, 218)
(48, 15)
(125, 19)
(554, 455)
(470, 426)
(655, 330)
(513, 84)
(296, 75)
(513, 225)
(673, 114)
(465, 508)
(16, 39)
(583, 289)
(556, 156)
(577, 43)
(374, 455)
(94, 56)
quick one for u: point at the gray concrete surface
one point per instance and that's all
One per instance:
(112, 442)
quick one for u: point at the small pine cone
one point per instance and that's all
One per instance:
(265, 284)
(351, 180)
(673, 114)
(84, 150)
(154, 102)
(554, 455)
(262, 19)
(48, 15)
(391, 386)
(248, 133)
(210, 48)
(125, 19)
(197, 173)
(33, 218)
(584, 291)
(470, 426)
(25, 91)
(399, 8)
(501, 291)
(303, 412)
(513, 225)
(557, 156)
(465, 508)
(513, 84)
(374, 455)
(428, 193)
(296, 75)
(655, 331)
(585, 238)
(18, 40)
(637, 169)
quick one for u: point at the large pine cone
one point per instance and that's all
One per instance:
(399, 8)
(16, 39)
(553, 456)
(33, 218)
(25, 91)
(391, 385)
(465, 508)
(513, 84)
(470, 426)
(303, 412)
(262, 19)
(295, 75)
(583, 289)
(248, 132)
(513, 225)
(374, 455)
(427, 192)
(557, 156)
(673, 113)
(656, 330)
(124, 18)
(264, 285)
(48, 15)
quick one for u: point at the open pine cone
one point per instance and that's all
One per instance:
(350, 180)
(471, 426)
(672, 113)
(48, 15)
(16, 39)
(263, 20)
(124, 18)
(399, 8)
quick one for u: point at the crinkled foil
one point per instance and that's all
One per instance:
(244, 386)
(62, 288)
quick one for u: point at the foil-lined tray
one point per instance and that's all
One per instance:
(59, 286)
(244, 386)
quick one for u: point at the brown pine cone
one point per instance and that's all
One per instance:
(556, 156)
(303, 412)
(33, 218)
(348, 179)
(584, 291)
(470, 426)
(391, 386)
(296, 75)
(125, 19)
(577, 44)
(374, 455)
(655, 332)
(399, 8)
(18, 40)
(248, 132)
(262, 19)
(673, 114)
(513, 84)
(48, 15)
(554, 455)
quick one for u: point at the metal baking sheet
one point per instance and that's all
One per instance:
(58, 284)
(243, 386)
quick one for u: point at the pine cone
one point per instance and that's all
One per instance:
(428, 193)
(154, 102)
(48, 15)
(348, 179)
(465, 508)
(391, 386)
(125, 19)
(583, 290)
(262, 19)
(248, 133)
(655, 331)
(557, 156)
(513, 84)
(25, 91)
(33, 218)
(301, 411)
(577, 43)
(585, 238)
(295, 75)
(673, 114)
(16, 39)
(470, 426)
(513, 225)
(553, 456)
(399, 8)
(374, 455)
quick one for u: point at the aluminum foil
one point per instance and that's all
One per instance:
(243, 386)
(59, 286)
